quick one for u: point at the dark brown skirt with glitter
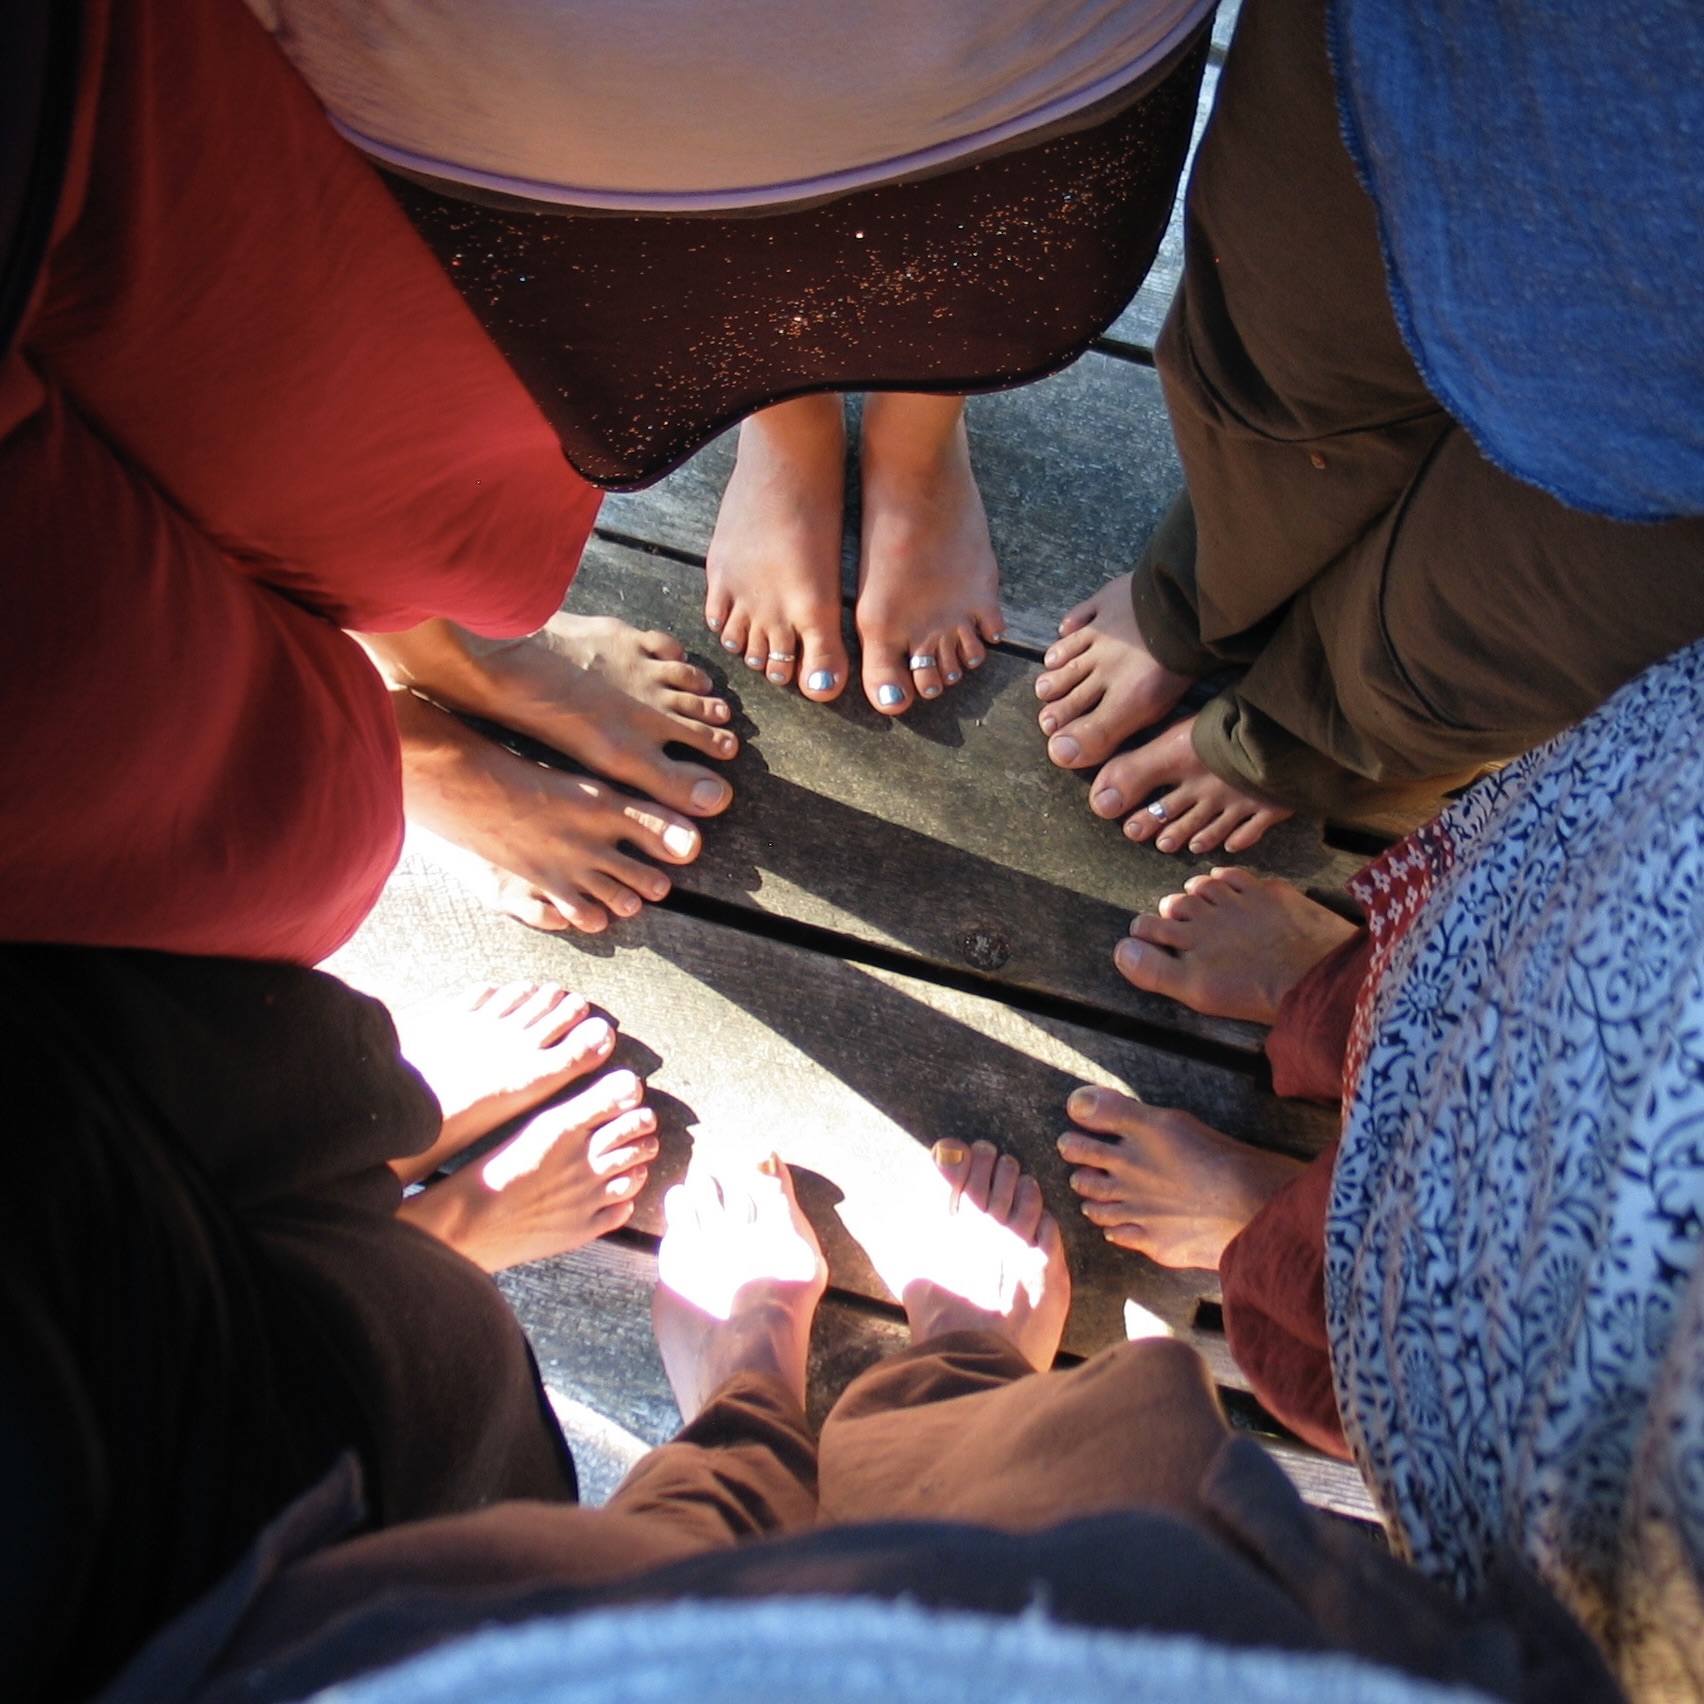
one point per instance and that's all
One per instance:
(643, 336)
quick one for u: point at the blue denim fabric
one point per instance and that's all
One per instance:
(1538, 168)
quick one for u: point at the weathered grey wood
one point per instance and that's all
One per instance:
(1075, 472)
(847, 1071)
(588, 1317)
(946, 834)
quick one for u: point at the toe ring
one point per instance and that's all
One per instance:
(1156, 809)
(783, 656)
(921, 661)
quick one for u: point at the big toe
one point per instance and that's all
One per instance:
(1096, 1108)
(887, 680)
(823, 664)
(1149, 967)
(1089, 738)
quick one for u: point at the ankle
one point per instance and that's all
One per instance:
(803, 429)
(912, 436)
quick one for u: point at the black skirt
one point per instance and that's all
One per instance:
(643, 336)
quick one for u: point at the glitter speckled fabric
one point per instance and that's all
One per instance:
(642, 337)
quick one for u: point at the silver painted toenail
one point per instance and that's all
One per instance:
(889, 695)
(730, 645)
(754, 662)
(931, 692)
(974, 662)
(714, 623)
(821, 681)
(954, 678)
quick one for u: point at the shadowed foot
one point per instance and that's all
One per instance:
(543, 845)
(571, 1175)
(1102, 684)
(1195, 809)
(928, 585)
(491, 1053)
(1232, 944)
(739, 1277)
(773, 569)
(979, 1253)
(1163, 1183)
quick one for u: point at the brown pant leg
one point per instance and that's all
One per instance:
(1409, 613)
(744, 1468)
(1281, 348)
(961, 1429)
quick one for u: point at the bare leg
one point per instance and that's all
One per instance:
(1231, 944)
(490, 1053)
(928, 585)
(571, 1175)
(1163, 1183)
(774, 562)
(1102, 683)
(546, 846)
(739, 1278)
(1200, 810)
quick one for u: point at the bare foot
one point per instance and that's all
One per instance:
(1163, 1183)
(981, 1253)
(1102, 683)
(543, 845)
(571, 1175)
(491, 1053)
(739, 1274)
(1231, 944)
(928, 585)
(774, 561)
(1195, 808)
(593, 688)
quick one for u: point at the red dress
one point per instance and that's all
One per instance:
(246, 409)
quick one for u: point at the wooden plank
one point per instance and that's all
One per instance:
(848, 1071)
(945, 834)
(588, 1317)
(1075, 473)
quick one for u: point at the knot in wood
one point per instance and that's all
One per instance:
(984, 949)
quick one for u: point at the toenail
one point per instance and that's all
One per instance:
(1043, 685)
(931, 692)
(681, 840)
(729, 645)
(889, 695)
(1107, 802)
(821, 681)
(954, 678)
(754, 662)
(1167, 843)
(714, 623)
(706, 794)
(779, 676)
(950, 1153)
(974, 662)
(1049, 724)
(1066, 749)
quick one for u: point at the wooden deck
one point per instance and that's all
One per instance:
(900, 931)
